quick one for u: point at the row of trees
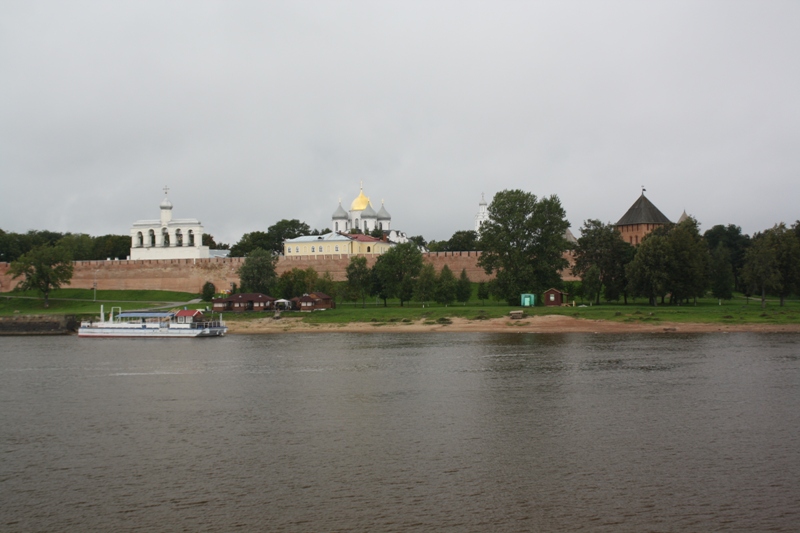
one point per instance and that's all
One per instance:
(79, 246)
(257, 274)
(401, 273)
(678, 261)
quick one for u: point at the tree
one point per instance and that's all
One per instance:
(737, 243)
(787, 260)
(760, 266)
(463, 287)
(648, 273)
(445, 291)
(45, 268)
(463, 241)
(392, 268)
(208, 240)
(523, 242)
(688, 261)
(326, 285)
(419, 240)
(483, 292)
(358, 279)
(285, 229)
(249, 242)
(209, 290)
(81, 246)
(426, 283)
(592, 283)
(297, 282)
(257, 273)
(602, 246)
(107, 246)
(721, 273)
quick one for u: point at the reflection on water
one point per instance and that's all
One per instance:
(383, 432)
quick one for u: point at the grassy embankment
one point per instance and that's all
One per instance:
(707, 311)
(736, 311)
(80, 301)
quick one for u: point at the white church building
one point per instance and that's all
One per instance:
(362, 216)
(168, 238)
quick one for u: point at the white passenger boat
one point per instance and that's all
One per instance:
(186, 323)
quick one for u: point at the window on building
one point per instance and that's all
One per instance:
(312, 249)
(297, 249)
(191, 238)
(337, 248)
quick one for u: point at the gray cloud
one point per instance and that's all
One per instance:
(252, 112)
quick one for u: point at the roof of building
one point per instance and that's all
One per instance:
(360, 203)
(315, 238)
(246, 297)
(340, 212)
(643, 212)
(383, 214)
(320, 296)
(360, 237)
(683, 217)
(189, 312)
(368, 212)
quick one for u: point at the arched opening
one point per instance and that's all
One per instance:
(152, 238)
(368, 249)
(164, 237)
(337, 227)
(178, 238)
(139, 239)
(191, 238)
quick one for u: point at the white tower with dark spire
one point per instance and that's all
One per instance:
(482, 216)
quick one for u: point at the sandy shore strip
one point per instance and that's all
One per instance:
(536, 324)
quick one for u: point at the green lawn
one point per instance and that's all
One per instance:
(80, 301)
(737, 311)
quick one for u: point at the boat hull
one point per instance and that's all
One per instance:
(152, 333)
(171, 333)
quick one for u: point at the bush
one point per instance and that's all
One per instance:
(208, 291)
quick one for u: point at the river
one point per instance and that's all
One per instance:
(401, 432)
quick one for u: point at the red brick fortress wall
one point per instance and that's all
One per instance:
(189, 275)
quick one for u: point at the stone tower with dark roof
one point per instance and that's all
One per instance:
(642, 218)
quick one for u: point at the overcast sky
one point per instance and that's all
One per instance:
(255, 111)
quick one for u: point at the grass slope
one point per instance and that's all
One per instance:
(80, 301)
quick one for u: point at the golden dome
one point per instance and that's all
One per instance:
(360, 203)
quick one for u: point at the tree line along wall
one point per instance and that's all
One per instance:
(189, 275)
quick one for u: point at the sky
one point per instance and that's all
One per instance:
(253, 111)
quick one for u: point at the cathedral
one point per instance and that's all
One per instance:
(362, 216)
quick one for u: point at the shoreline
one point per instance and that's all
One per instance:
(536, 324)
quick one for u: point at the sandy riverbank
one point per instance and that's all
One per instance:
(537, 324)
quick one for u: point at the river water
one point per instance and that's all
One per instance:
(401, 432)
